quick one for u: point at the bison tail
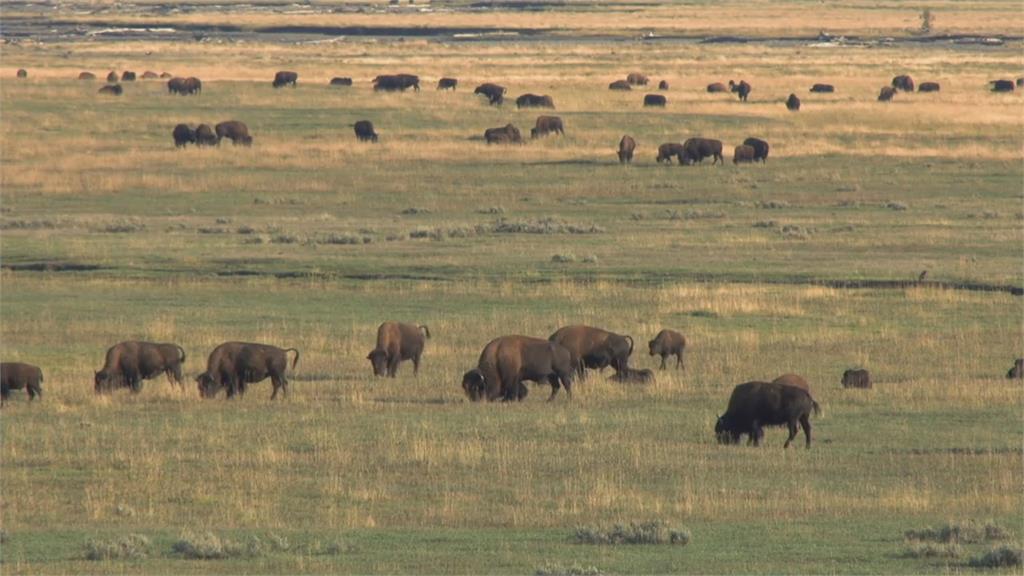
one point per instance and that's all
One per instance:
(817, 409)
(296, 360)
(426, 331)
(182, 350)
(630, 338)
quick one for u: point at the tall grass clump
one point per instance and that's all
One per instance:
(130, 547)
(653, 532)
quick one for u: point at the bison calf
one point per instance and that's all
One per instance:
(669, 149)
(856, 379)
(668, 343)
(205, 136)
(15, 376)
(633, 376)
(886, 94)
(793, 103)
(760, 148)
(396, 342)
(743, 153)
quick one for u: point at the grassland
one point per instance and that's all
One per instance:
(310, 240)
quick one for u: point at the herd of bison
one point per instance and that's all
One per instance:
(503, 367)
(692, 151)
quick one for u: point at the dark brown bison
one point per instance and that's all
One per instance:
(184, 86)
(22, 73)
(150, 75)
(235, 131)
(668, 343)
(669, 149)
(655, 100)
(1018, 369)
(397, 341)
(856, 379)
(695, 150)
(754, 405)
(205, 136)
(790, 379)
(743, 153)
(546, 125)
(128, 363)
(447, 83)
(396, 82)
(507, 134)
(626, 147)
(534, 101)
(341, 81)
(364, 131)
(886, 94)
(233, 365)
(760, 148)
(823, 88)
(793, 103)
(112, 89)
(929, 87)
(633, 376)
(127, 76)
(637, 79)
(620, 85)
(903, 82)
(86, 76)
(741, 89)
(112, 77)
(183, 135)
(594, 348)
(717, 87)
(495, 94)
(176, 85)
(284, 78)
(1002, 85)
(663, 85)
(508, 361)
(15, 376)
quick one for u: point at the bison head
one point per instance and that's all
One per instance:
(379, 359)
(102, 380)
(473, 384)
(725, 433)
(651, 347)
(208, 385)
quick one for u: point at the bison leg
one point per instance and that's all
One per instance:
(553, 380)
(792, 433)
(663, 357)
(415, 364)
(280, 383)
(393, 360)
(679, 361)
(805, 423)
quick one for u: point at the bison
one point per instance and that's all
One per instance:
(716, 87)
(506, 362)
(633, 376)
(637, 79)
(1001, 85)
(128, 363)
(741, 89)
(669, 149)
(364, 131)
(620, 85)
(284, 78)
(235, 131)
(823, 88)
(150, 75)
(929, 87)
(166, 75)
(396, 82)
(663, 85)
(886, 94)
(655, 100)
(626, 147)
(1018, 369)
(546, 125)
(668, 343)
(112, 77)
(397, 341)
(127, 76)
(760, 148)
(743, 153)
(183, 135)
(86, 76)
(594, 348)
(341, 81)
(757, 404)
(534, 101)
(495, 93)
(447, 83)
(793, 103)
(233, 365)
(903, 82)
(856, 379)
(697, 149)
(1020, 82)
(112, 89)
(22, 73)
(15, 376)
(507, 134)
(184, 86)
(205, 136)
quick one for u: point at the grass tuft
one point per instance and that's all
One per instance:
(969, 532)
(999, 557)
(575, 569)
(653, 532)
(130, 547)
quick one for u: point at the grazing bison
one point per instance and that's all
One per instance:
(112, 89)
(669, 149)
(495, 93)
(447, 83)
(149, 75)
(668, 343)
(620, 85)
(760, 148)
(886, 94)
(128, 363)
(112, 77)
(397, 341)
(663, 85)
(856, 379)
(284, 78)
(790, 379)
(903, 82)
(15, 376)
(507, 134)
(929, 87)
(546, 125)
(743, 153)
(633, 376)
(637, 79)
(1018, 369)
(717, 87)
(508, 361)
(823, 88)
(22, 73)
(127, 76)
(655, 100)
(183, 135)
(184, 86)
(166, 75)
(626, 147)
(793, 103)
(396, 82)
(594, 348)
(341, 81)
(757, 404)
(534, 101)
(741, 89)
(697, 149)
(235, 131)
(233, 365)
(176, 85)
(1001, 85)
(205, 136)
(86, 76)
(364, 131)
